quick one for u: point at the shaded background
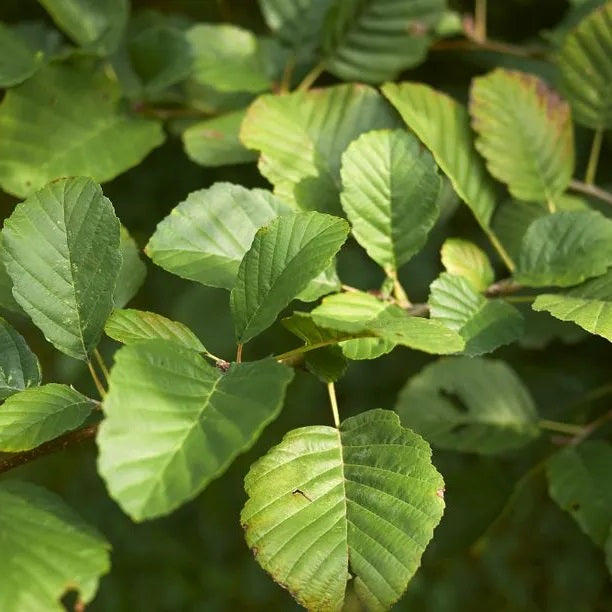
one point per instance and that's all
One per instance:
(492, 551)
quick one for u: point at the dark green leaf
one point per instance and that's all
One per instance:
(17, 61)
(132, 272)
(19, 367)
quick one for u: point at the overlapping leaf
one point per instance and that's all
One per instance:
(524, 132)
(586, 70)
(322, 284)
(589, 305)
(302, 136)
(469, 404)
(390, 190)
(65, 121)
(17, 60)
(19, 367)
(444, 127)
(61, 250)
(44, 543)
(38, 414)
(205, 237)
(463, 258)
(198, 419)
(329, 505)
(284, 257)
(132, 272)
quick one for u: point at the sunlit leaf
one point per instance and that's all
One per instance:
(327, 506)
(469, 404)
(463, 258)
(198, 419)
(322, 284)
(132, 272)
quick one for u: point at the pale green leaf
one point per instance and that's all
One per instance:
(284, 257)
(302, 137)
(565, 249)
(463, 258)
(579, 481)
(39, 414)
(444, 127)
(322, 284)
(589, 305)
(228, 58)
(374, 41)
(61, 250)
(17, 60)
(19, 367)
(215, 142)
(132, 272)
(469, 404)
(205, 237)
(586, 69)
(390, 190)
(66, 121)
(524, 132)
(484, 324)
(327, 506)
(198, 419)
(46, 550)
(97, 25)
(130, 326)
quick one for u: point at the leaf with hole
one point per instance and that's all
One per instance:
(19, 367)
(327, 505)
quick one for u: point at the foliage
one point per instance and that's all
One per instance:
(201, 339)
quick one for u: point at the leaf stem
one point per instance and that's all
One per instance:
(285, 83)
(308, 347)
(498, 246)
(331, 390)
(557, 426)
(311, 77)
(591, 190)
(239, 353)
(480, 21)
(102, 365)
(591, 170)
(399, 293)
(99, 385)
(519, 299)
(551, 206)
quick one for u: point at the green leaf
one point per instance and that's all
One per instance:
(390, 190)
(374, 41)
(469, 404)
(216, 142)
(302, 137)
(205, 237)
(444, 127)
(322, 284)
(284, 257)
(579, 481)
(44, 543)
(97, 25)
(19, 367)
(228, 58)
(511, 221)
(130, 326)
(132, 272)
(524, 132)
(565, 249)
(327, 505)
(586, 70)
(589, 305)
(17, 60)
(198, 419)
(463, 258)
(484, 324)
(327, 363)
(62, 253)
(65, 121)
(38, 414)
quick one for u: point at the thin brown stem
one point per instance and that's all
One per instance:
(480, 20)
(499, 247)
(239, 353)
(591, 427)
(591, 190)
(69, 439)
(311, 77)
(97, 382)
(591, 170)
(285, 83)
(488, 45)
(558, 427)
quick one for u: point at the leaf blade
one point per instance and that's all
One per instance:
(19, 366)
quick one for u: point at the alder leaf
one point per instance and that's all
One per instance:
(469, 404)
(17, 60)
(374, 41)
(579, 481)
(564, 249)
(130, 326)
(443, 125)
(331, 505)
(61, 250)
(44, 543)
(205, 237)
(588, 305)
(463, 258)
(484, 324)
(132, 272)
(302, 135)
(39, 414)
(198, 419)
(524, 132)
(322, 284)
(284, 257)
(390, 191)
(586, 70)
(19, 367)
(66, 121)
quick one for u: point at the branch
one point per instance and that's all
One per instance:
(592, 190)
(53, 446)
